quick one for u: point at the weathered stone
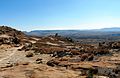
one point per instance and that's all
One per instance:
(29, 54)
(38, 61)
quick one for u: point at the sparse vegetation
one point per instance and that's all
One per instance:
(55, 54)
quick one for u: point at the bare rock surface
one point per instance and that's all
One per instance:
(55, 56)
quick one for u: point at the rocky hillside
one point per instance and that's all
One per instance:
(55, 56)
(5, 30)
(9, 35)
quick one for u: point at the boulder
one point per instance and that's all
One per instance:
(29, 54)
(53, 63)
(38, 60)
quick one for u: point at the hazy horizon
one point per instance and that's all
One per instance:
(97, 29)
(28, 15)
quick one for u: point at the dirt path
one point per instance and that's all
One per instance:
(7, 57)
(7, 54)
(13, 50)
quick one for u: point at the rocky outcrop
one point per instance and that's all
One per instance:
(11, 36)
(29, 54)
(110, 45)
(9, 40)
(11, 32)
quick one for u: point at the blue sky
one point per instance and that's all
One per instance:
(59, 14)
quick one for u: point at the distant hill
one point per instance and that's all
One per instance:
(104, 34)
(103, 31)
(114, 29)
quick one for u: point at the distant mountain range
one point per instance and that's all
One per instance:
(68, 32)
(114, 29)
(104, 34)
